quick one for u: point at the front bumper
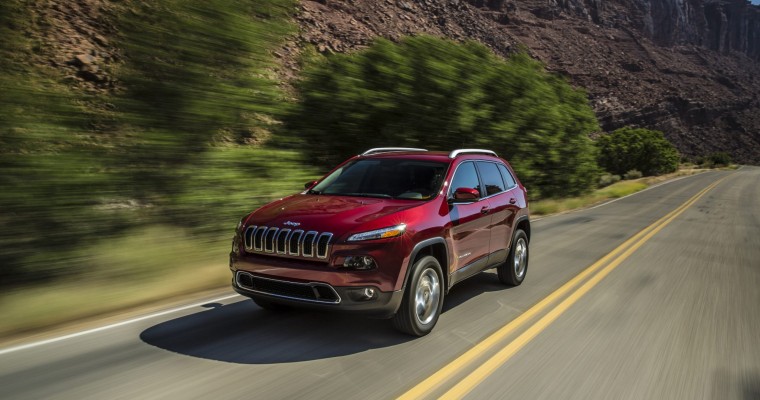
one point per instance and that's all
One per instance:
(318, 295)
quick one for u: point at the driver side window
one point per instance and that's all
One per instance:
(466, 176)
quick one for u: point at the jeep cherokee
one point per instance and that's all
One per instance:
(386, 234)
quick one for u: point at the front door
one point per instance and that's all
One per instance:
(469, 222)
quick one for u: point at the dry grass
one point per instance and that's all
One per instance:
(164, 264)
(614, 191)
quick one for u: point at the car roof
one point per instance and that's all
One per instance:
(439, 156)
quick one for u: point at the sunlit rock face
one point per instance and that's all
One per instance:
(690, 68)
(721, 25)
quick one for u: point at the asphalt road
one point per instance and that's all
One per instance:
(673, 313)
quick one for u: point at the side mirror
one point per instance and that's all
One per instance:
(464, 194)
(309, 184)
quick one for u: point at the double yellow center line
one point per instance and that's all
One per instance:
(593, 273)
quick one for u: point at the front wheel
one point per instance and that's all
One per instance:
(423, 298)
(513, 271)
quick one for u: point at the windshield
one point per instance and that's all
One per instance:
(385, 178)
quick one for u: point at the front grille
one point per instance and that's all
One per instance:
(313, 292)
(311, 244)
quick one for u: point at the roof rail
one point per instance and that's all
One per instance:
(389, 150)
(457, 152)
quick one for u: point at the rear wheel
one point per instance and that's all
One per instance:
(513, 271)
(423, 298)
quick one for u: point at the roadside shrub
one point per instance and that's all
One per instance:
(703, 162)
(438, 94)
(632, 174)
(720, 159)
(608, 179)
(644, 150)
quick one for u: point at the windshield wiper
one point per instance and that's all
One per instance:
(386, 196)
(312, 191)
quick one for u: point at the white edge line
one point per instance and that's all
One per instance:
(111, 326)
(619, 198)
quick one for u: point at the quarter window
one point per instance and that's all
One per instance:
(489, 172)
(508, 179)
(467, 177)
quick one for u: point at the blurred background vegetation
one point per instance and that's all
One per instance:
(149, 177)
(170, 148)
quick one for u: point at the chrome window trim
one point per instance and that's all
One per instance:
(457, 152)
(327, 245)
(310, 284)
(497, 170)
(510, 175)
(378, 150)
(451, 187)
(505, 166)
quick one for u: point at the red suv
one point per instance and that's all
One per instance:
(386, 234)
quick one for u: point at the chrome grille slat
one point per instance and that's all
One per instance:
(307, 244)
(281, 246)
(295, 242)
(269, 236)
(258, 238)
(287, 242)
(249, 237)
(323, 240)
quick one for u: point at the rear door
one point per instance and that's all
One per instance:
(502, 209)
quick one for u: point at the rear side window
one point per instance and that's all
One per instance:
(467, 177)
(489, 172)
(509, 180)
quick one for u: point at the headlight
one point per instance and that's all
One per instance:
(390, 232)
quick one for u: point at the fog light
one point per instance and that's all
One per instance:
(363, 294)
(359, 262)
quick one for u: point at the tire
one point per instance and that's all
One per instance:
(269, 306)
(423, 298)
(513, 271)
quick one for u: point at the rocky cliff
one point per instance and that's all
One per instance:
(687, 67)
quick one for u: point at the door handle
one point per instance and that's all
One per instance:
(484, 210)
(512, 201)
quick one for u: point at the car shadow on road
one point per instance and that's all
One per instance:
(243, 333)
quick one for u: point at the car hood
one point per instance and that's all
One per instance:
(325, 213)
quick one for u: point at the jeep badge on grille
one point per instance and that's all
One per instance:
(291, 223)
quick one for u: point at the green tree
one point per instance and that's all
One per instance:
(439, 94)
(634, 148)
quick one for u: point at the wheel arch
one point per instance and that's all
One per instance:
(435, 247)
(524, 224)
